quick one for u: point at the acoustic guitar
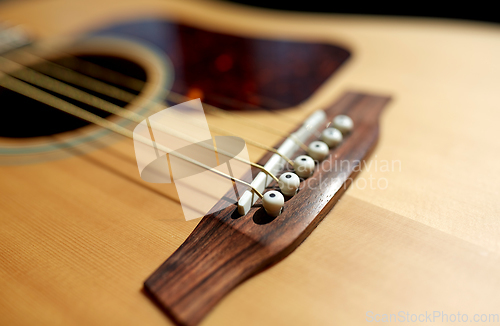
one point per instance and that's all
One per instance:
(409, 233)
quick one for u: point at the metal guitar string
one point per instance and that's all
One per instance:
(273, 203)
(85, 80)
(30, 91)
(31, 76)
(34, 77)
(22, 72)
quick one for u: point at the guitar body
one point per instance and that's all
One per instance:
(417, 231)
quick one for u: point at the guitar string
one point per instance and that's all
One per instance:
(31, 76)
(71, 75)
(37, 94)
(48, 83)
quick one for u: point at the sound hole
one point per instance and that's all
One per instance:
(25, 118)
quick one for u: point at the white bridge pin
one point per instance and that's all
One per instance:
(303, 166)
(318, 150)
(289, 183)
(343, 123)
(331, 136)
(273, 202)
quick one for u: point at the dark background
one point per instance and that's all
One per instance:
(469, 10)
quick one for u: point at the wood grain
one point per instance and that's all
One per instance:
(79, 236)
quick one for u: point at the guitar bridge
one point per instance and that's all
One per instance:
(226, 248)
